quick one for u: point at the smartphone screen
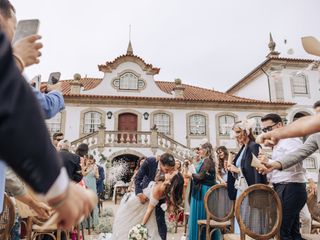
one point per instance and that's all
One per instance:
(26, 28)
(54, 78)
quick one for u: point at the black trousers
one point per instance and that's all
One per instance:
(293, 197)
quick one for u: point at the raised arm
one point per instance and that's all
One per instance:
(206, 167)
(299, 128)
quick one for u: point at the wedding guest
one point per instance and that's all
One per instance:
(70, 160)
(290, 184)
(90, 176)
(56, 138)
(240, 173)
(222, 171)
(100, 183)
(82, 150)
(202, 179)
(178, 165)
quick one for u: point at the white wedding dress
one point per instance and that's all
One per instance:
(131, 213)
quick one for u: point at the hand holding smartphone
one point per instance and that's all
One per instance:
(26, 28)
(54, 78)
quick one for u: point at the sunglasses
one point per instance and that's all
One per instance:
(268, 129)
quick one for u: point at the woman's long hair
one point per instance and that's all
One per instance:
(174, 192)
(209, 151)
(221, 161)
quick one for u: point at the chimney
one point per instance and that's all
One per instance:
(178, 89)
(75, 85)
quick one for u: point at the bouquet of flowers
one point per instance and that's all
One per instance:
(138, 232)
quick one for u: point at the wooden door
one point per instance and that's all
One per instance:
(128, 122)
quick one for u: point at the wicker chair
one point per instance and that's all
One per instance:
(259, 213)
(7, 218)
(219, 211)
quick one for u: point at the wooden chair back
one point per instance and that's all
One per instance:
(314, 207)
(259, 212)
(218, 205)
(7, 218)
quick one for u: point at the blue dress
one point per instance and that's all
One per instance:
(197, 209)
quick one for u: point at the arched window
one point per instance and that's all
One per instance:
(197, 124)
(92, 121)
(162, 121)
(225, 124)
(257, 128)
(54, 124)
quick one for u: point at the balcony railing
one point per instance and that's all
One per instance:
(137, 139)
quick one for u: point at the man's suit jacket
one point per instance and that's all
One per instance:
(250, 173)
(145, 175)
(72, 163)
(25, 144)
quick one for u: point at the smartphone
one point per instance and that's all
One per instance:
(26, 28)
(54, 78)
(36, 82)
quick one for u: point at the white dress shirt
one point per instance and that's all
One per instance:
(294, 174)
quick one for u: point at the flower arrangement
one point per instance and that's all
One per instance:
(138, 232)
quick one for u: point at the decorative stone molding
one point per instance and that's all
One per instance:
(141, 85)
(82, 114)
(191, 136)
(218, 115)
(124, 152)
(171, 127)
(116, 118)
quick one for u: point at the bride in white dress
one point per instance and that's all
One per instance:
(131, 212)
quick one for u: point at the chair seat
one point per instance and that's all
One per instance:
(214, 223)
(311, 236)
(234, 237)
(38, 228)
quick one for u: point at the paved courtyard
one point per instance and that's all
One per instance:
(110, 205)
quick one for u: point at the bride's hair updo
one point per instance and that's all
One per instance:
(174, 191)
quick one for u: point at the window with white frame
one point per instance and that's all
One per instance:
(54, 124)
(162, 121)
(226, 123)
(257, 128)
(309, 163)
(197, 124)
(92, 121)
(299, 84)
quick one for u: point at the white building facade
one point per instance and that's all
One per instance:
(279, 79)
(128, 113)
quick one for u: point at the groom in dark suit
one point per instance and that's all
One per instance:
(147, 173)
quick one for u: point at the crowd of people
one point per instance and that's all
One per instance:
(48, 177)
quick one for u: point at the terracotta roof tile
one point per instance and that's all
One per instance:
(191, 93)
